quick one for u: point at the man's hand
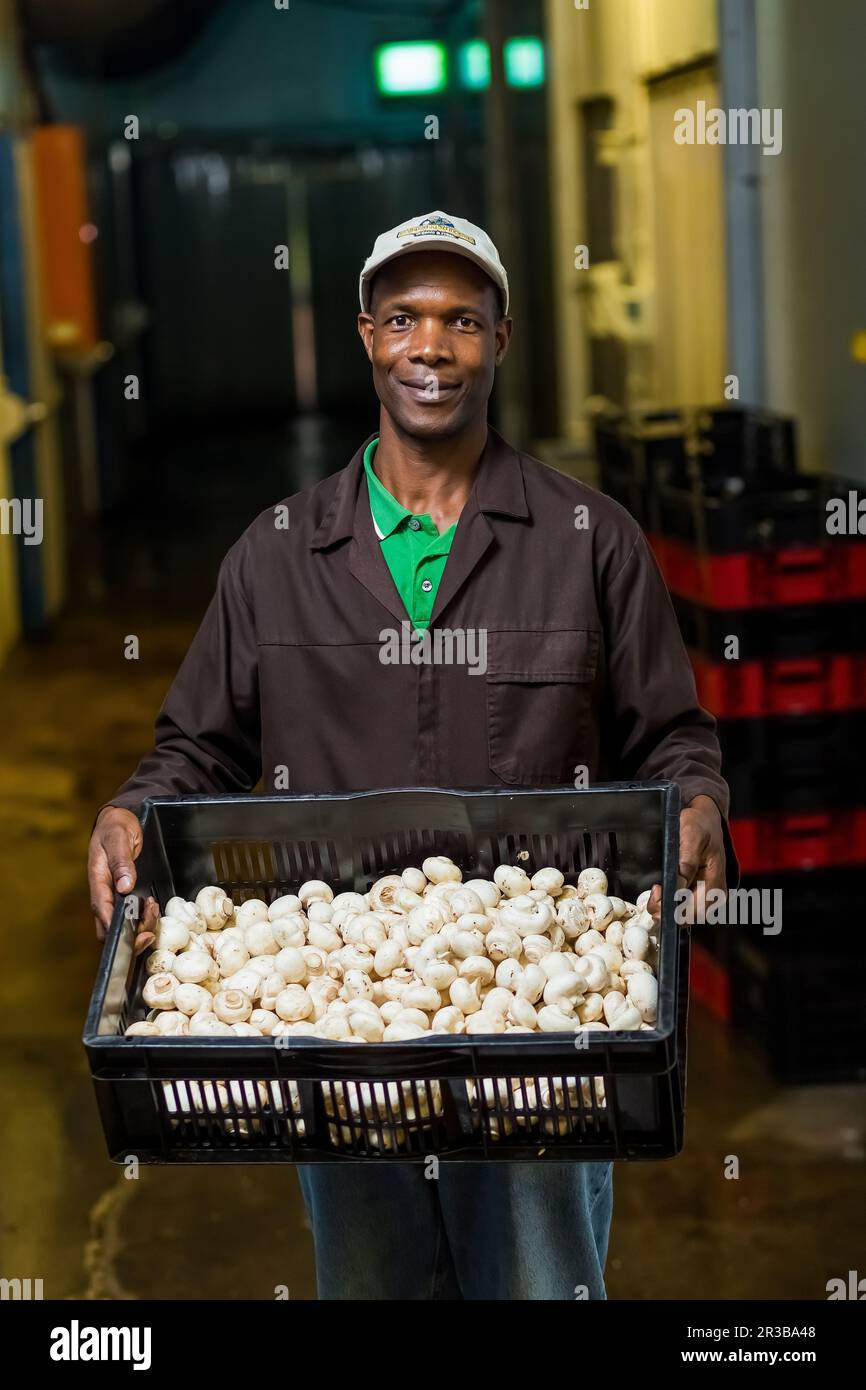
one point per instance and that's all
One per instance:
(702, 850)
(114, 845)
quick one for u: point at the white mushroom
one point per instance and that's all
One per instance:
(402, 1032)
(232, 1006)
(158, 992)
(612, 1005)
(599, 909)
(172, 1023)
(260, 939)
(536, 946)
(468, 941)
(189, 999)
(511, 881)
(438, 974)
(414, 879)
(572, 917)
(643, 993)
(161, 963)
(558, 963)
(248, 980)
(488, 892)
(502, 942)
(314, 890)
(465, 995)
(324, 936)
(626, 1019)
(384, 890)
(290, 963)
(635, 942)
(215, 907)
(591, 881)
(548, 880)
(230, 957)
(422, 997)
(527, 916)
(531, 983)
(265, 1020)
(293, 1004)
(142, 1030)
(181, 911)
(522, 1012)
(482, 969)
(366, 1026)
(290, 930)
(591, 1008)
(208, 1025)
(440, 869)
(253, 910)
(289, 905)
(552, 1020)
(425, 920)
(416, 1016)
(485, 1022)
(172, 935)
(594, 971)
(356, 985)
(567, 985)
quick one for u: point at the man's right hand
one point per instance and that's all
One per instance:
(114, 846)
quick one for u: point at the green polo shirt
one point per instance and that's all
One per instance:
(414, 551)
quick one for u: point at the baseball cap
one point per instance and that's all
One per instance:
(445, 233)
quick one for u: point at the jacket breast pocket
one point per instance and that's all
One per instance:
(541, 715)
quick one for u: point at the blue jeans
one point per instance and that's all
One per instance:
(478, 1231)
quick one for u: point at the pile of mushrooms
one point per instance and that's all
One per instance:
(421, 953)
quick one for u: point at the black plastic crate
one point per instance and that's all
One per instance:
(809, 762)
(772, 512)
(795, 633)
(709, 445)
(506, 1097)
(800, 993)
(808, 659)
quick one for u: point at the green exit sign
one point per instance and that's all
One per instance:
(420, 68)
(411, 69)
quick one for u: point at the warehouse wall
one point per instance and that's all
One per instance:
(810, 63)
(298, 73)
(612, 51)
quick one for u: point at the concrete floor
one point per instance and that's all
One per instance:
(74, 718)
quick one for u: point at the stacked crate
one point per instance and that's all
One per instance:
(772, 608)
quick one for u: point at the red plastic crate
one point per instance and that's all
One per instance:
(821, 839)
(763, 578)
(827, 684)
(709, 983)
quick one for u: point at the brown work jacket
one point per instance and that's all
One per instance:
(586, 677)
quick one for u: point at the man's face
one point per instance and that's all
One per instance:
(434, 336)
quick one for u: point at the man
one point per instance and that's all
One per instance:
(577, 664)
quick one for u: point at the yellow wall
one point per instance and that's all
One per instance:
(609, 50)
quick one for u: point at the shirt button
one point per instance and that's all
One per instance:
(426, 585)
(414, 524)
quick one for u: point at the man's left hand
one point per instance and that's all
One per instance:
(702, 850)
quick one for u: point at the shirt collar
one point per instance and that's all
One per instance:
(498, 488)
(387, 512)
